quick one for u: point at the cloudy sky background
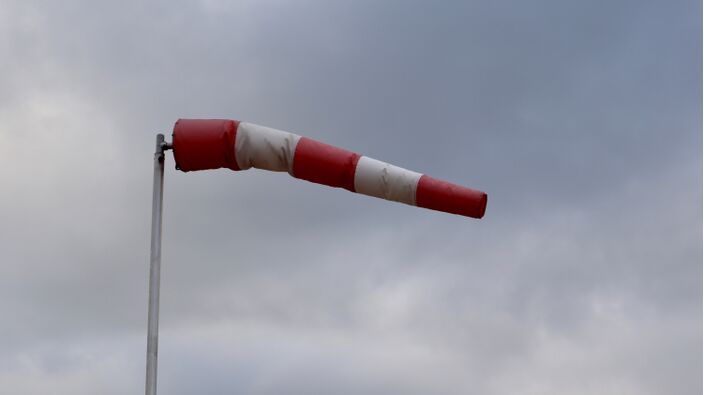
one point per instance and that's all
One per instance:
(581, 119)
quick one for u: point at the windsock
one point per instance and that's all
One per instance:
(201, 144)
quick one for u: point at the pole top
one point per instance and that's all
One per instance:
(161, 144)
(161, 147)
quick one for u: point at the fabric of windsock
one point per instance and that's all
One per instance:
(201, 144)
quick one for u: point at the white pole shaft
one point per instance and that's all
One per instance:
(155, 266)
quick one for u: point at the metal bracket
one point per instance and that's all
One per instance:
(161, 145)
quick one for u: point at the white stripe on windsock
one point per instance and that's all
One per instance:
(383, 180)
(265, 148)
(271, 149)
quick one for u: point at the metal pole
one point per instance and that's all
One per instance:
(155, 265)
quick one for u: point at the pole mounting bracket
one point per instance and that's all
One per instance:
(161, 146)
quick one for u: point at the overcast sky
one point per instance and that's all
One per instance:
(580, 119)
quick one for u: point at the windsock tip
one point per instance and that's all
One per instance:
(482, 205)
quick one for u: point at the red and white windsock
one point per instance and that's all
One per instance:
(201, 144)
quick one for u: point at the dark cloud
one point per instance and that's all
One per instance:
(582, 120)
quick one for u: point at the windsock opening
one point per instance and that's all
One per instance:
(204, 144)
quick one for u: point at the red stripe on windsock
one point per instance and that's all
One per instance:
(324, 164)
(444, 196)
(201, 144)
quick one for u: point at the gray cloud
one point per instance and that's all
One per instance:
(582, 120)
